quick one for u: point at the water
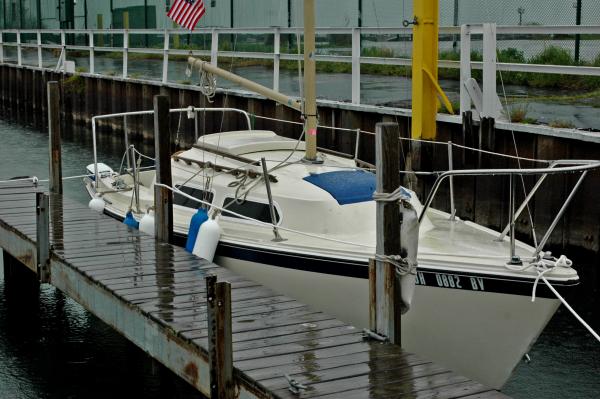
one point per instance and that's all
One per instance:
(50, 347)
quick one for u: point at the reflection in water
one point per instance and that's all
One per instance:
(165, 280)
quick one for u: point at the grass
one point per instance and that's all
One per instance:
(74, 84)
(517, 113)
(561, 124)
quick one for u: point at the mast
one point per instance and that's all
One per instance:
(310, 89)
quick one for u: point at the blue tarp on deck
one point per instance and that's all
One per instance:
(346, 186)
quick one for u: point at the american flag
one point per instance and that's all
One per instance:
(187, 13)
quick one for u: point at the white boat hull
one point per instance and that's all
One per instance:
(444, 324)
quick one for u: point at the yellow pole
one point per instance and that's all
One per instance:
(310, 89)
(425, 67)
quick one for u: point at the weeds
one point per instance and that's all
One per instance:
(561, 124)
(517, 113)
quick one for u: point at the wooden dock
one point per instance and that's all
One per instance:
(155, 295)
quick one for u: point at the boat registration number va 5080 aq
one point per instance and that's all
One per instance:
(445, 280)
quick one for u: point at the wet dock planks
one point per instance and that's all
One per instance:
(154, 294)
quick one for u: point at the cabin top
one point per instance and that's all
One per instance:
(247, 141)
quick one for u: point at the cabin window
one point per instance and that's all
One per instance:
(200, 194)
(251, 209)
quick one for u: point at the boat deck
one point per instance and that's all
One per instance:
(154, 294)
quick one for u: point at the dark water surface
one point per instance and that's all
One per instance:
(50, 347)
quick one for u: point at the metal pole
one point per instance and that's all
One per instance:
(21, 14)
(455, 21)
(577, 36)
(357, 146)
(126, 134)
(360, 11)
(54, 137)
(42, 236)
(196, 127)
(85, 14)
(39, 14)
(511, 215)
(560, 213)
(451, 180)
(278, 237)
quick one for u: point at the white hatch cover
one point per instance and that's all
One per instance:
(246, 141)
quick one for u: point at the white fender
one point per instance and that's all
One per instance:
(410, 244)
(147, 223)
(97, 204)
(207, 240)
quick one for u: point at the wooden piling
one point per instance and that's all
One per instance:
(54, 137)
(387, 289)
(43, 236)
(220, 348)
(163, 198)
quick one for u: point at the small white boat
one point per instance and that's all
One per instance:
(470, 312)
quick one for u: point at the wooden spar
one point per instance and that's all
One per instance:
(163, 198)
(387, 289)
(245, 83)
(54, 138)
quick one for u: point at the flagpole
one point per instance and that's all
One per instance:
(310, 89)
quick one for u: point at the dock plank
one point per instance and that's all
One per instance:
(163, 288)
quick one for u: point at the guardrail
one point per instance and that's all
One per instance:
(456, 34)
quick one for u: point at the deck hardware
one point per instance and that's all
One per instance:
(406, 23)
(295, 387)
(278, 237)
(369, 335)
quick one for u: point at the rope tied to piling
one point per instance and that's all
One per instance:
(399, 194)
(403, 265)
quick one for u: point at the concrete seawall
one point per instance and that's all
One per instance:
(483, 200)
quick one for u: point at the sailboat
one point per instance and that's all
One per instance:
(302, 222)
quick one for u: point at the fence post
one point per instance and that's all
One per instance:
(489, 70)
(19, 49)
(42, 236)
(63, 51)
(1, 48)
(465, 67)
(214, 47)
(54, 137)
(163, 198)
(125, 52)
(39, 50)
(165, 71)
(451, 181)
(387, 289)
(356, 66)
(220, 348)
(276, 58)
(92, 60)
